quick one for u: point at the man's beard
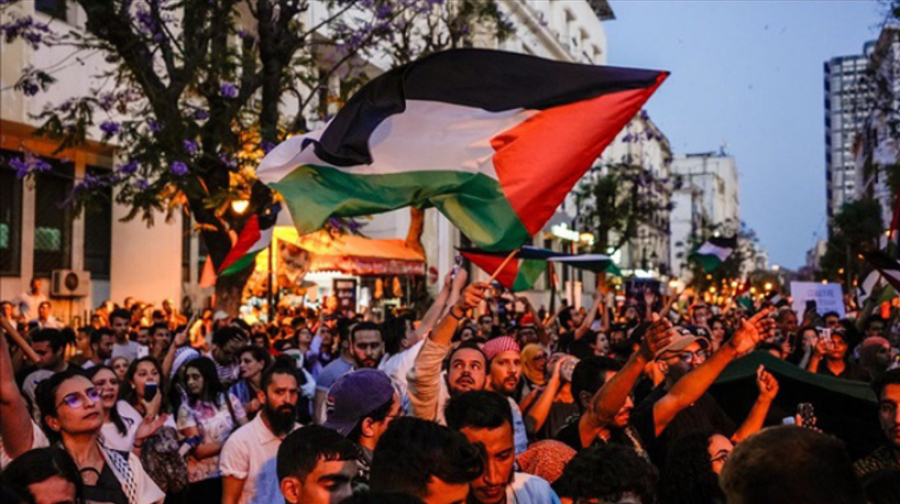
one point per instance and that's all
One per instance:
(281, 419)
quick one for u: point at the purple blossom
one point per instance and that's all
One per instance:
(30, 88)
(109, 127)
(267, 146)
(106, 100)
(190, 146)
(142, 184)
(384, 11)
(22, 168)
(353, 225)
(228, 90)
(179, 168)
(129, 168)
(231, 163)
(200, 114)
(334, 222)
(25, 28)
(155, 126)
(39, 164)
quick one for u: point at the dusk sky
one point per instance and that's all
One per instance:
(749, 74)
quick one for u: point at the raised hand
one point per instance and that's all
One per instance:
(768, 385)
(752, 331)
(658, 336)
(472, 296)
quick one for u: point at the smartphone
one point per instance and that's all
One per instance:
(810, 306)
(825, 334)
(807, 414)
(150, 390)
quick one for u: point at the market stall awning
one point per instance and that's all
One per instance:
(354, 255)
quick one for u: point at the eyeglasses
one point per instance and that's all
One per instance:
(689, 356)
(76, 400)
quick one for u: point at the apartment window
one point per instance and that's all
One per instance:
(53, 219)
(98, 231)
(52, 8)
(10, 217)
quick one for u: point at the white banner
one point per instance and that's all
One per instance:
(828, 297)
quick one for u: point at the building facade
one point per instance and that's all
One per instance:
(878, 143)
(707, 197)
(847, 106)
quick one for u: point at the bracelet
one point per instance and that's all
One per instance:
(454, 316)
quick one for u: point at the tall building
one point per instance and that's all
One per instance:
(707, 196)
(878, 144)
(847, 105)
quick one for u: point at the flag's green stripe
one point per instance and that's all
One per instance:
(708, 262)
(473, 202)
(239, 264)
(613, 269)
(529, 271)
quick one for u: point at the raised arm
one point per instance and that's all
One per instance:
(16, 429)
(694, 384)
(540, 409)
(178, 340)
(542, 334)
(607, 402)
(435, 310)
(768, 389)
(589, 317)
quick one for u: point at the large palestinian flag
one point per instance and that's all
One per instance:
(494, 140)
(714, 252)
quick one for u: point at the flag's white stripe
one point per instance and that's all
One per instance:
(709, 249)
(428, 136)
(265, 238)
(580, 258)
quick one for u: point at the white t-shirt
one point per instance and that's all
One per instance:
(250, 454)
(38, 440)
(114, 439)
(28, 304)
(528, 489)
(131, 350)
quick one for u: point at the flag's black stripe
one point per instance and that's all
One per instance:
(481, 78)
(526, 252)
(882, 261)
(724, 241)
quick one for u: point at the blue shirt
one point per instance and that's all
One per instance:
(331, 373)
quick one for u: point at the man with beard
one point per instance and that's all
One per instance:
(366, 345)
(504, 374)
(248, 459)
(102, 341)
(485, 419)
(887, 390)
(120, 322)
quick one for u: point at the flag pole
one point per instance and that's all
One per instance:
(19, 340)
(502, 265)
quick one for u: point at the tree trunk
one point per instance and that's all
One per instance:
(416, 225)
(230, 290)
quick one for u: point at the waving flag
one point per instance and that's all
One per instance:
(887, 266)
(494, 140)
(254, 238)
(714, 252)
(521, 273)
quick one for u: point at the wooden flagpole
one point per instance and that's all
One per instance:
(502, 265)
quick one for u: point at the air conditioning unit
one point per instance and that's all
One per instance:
(68, 283)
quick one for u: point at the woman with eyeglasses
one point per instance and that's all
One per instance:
(205, 420)
(691, 474)
(71, 409)
(46, 475)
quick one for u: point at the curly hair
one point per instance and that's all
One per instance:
(607, 473)
(689, 476)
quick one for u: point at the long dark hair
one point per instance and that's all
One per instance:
(114, 412)
(129, 394)
(688, 476)
(212, 388)
(45, 396)
(41, 464)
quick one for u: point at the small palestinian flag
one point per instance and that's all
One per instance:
(887, 266)
(592, 262)
(255, 237)
(519, 274)
(494, 140)
(777, 300)
(714, 252)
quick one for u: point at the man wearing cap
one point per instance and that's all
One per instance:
(360, 406)
(504, 374)
(681, 404)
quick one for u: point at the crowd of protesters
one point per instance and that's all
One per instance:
(472, 402)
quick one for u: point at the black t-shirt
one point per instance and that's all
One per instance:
(629, 436)
(108, 489)
(705, 415)
(851, 372)
(560, 415)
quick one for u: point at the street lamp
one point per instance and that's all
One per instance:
(239, 206)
